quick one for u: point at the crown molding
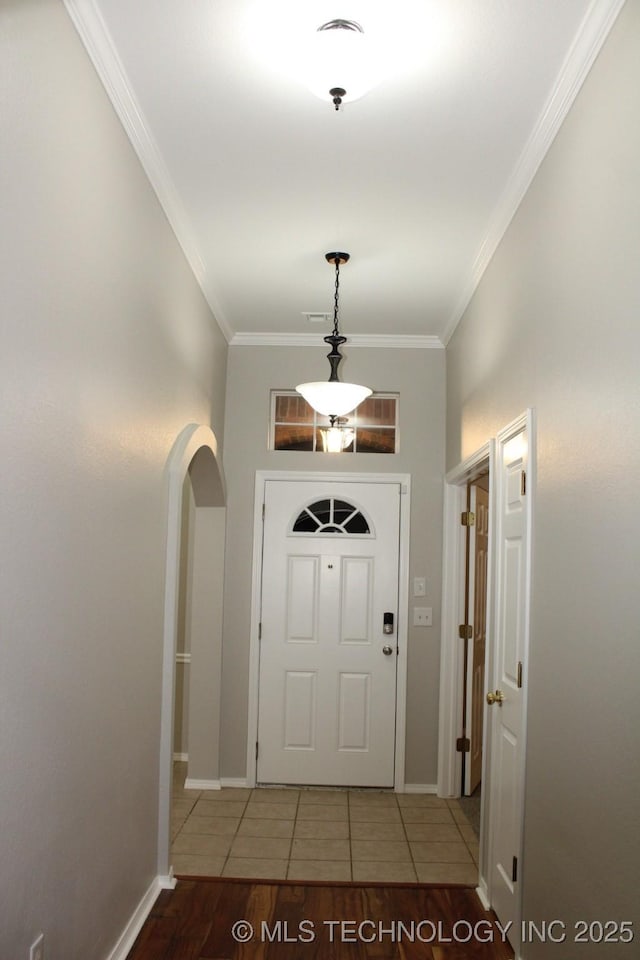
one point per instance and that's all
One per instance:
(588, 42)
(94, 33)
(386, 341)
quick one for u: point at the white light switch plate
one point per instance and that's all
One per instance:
(423, 616)
(419, 586)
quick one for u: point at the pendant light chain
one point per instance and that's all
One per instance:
(335, 299)
(332, 398)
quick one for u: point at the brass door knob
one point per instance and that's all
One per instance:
(496, 697)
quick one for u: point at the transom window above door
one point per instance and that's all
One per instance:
(331, 517)
(294, 425)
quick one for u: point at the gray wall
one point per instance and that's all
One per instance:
(108, 351)
(418, 375)
(555, 325)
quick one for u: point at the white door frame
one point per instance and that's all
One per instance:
(453, 587)
(451, 660)
(404, 479)
(193, 438)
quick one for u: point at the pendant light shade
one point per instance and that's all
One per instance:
(331, 397)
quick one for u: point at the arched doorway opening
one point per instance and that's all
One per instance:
(193, 603)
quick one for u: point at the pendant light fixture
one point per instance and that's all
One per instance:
(332, 397)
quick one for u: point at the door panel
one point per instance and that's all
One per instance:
(302, 589)
(299, 710)
(507, 716)
(327, 695)
(357, 581)
(354, 711)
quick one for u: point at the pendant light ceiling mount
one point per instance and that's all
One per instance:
(332, 398)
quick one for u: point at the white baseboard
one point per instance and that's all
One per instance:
(167, 882)
(234, 782)
(420, 788)
(193, 784)
(134, 926)
(482, 892)
(183, 757)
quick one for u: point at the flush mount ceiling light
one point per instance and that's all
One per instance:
(369, 44)
(331, 397)
(341, 64)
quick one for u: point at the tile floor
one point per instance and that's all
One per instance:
(311, 834)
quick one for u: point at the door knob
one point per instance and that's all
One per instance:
(496, 697)
(387, 651)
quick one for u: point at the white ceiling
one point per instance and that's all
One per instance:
(417, 180)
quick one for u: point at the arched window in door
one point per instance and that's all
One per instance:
(332, 517)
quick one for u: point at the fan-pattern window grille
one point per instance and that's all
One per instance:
(332, 516)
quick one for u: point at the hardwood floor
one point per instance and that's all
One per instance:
(237, 919)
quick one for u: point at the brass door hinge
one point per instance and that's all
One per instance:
(259, 631)
(514, 869)
(468, 518)
(523, 484)
(465, 631)
(463, 745)
(519, 678)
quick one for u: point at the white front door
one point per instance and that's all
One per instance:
(327, 691)
(506, 712)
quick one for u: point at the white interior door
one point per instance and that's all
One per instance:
(506, 712)
(327, 690)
